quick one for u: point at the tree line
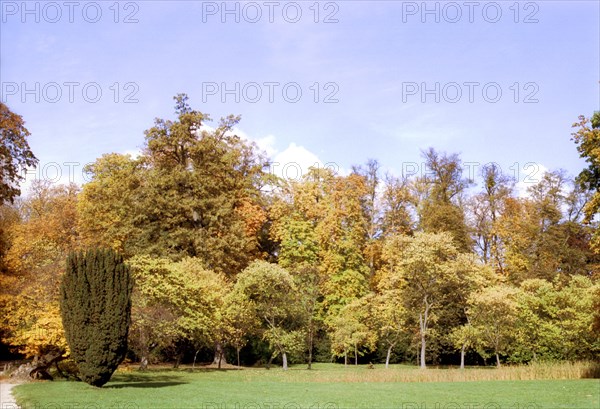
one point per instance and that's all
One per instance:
(228, 258)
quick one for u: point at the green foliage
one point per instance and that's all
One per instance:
(357, 263)
(269, 291)
(493, 314)
(440, 209)
(420, 268)
(351, 331)
(555, 320)
(192, 193)
(95, 307)
(176, 301)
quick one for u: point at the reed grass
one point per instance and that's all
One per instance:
(403, 373)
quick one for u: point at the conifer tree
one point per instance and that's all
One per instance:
(96, 308)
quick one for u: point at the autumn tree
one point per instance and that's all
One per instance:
(296, 214)
(464, 337)
(174, 302)
(493, 314)
(154, 318)
(194, 192)
(15, 153)
(9, 219)
(388, 318)
(486, 209)
(95, 307)
(109, 205)
(537, 332)
(442, 187)
(538, 239)
(372, 213)
(342, 237)
(350, 331)
(575, 318)
(397, 206)
(269, 291)
(200, 305)
(320, 224)
(43, 232)
(471, 276)
(239, 322)
(587, 138)
(420, 267)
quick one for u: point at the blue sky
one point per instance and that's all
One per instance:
(377, 63)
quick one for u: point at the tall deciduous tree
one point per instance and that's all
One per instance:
(351, 332)
(194, 192)
(96, 310)
(493, 313)
(15, 153)
(177, 301)
(421, 268)
(371, 208)
(342, 237)
(388, 318)
(41, 236)
(485, 210)
(539, 241)
(396, 203)
(587, 138)
(109, 205)
(441, 209)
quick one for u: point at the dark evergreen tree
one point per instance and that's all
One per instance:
(96, 308)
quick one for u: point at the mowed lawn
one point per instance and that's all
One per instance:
(325, 387)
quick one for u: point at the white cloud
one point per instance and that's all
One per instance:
(291, 163)
(134, 153)
(294, 162)
(529, 175)
(267, 144)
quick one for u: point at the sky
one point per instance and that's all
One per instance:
(332, 83)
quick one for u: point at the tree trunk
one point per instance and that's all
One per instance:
(38, 369)
(497, 360)
(310, 346)
(143, 364)
(462, 357)
(219, 355)
(237, 350)
(423, 321)
(195, 356)
(387, 357)
(284, 358)
(273, 355)
(355, 355)
(345, 359)
(423, 352)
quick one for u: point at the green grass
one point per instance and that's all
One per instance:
(325, 387)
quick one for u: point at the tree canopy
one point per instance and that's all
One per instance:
(232, 263)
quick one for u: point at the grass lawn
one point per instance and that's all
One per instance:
(318, 389)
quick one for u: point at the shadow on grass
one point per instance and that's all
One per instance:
(208, 370)
(144, 385)
(144, 381)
